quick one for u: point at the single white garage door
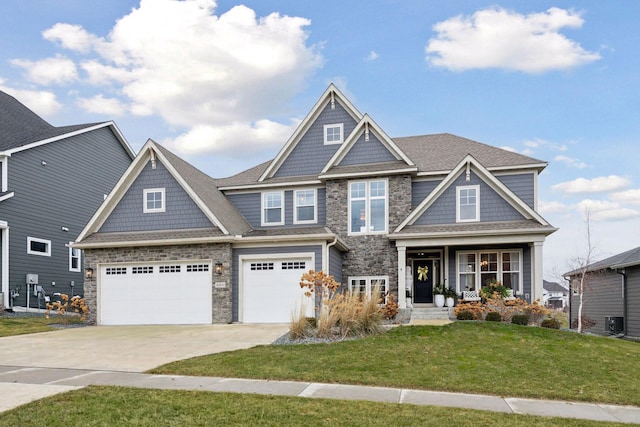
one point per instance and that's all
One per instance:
(271, 290)
(173, 293)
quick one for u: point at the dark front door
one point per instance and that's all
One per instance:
(423, 281)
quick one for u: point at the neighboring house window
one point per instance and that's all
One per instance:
(305, 207)
(38, 246)
(477, 269)
(154, 200)
(368, 207)
(364, 286)
(333, 134)
(272, 208)
(74, 259)
(468, 203)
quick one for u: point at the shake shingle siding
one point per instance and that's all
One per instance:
(363, 152)
(311, 155)
(420, 190)
(180, 210)
(522, 185)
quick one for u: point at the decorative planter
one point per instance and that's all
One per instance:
(450, 302)
(439, 300)
(409, 303)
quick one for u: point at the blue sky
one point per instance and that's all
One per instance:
(224, 84)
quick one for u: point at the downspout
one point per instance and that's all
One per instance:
(624, 303)
(335, 240)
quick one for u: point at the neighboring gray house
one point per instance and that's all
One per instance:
(341, 196)
(555, 295)
(53, 180)
(612, 294)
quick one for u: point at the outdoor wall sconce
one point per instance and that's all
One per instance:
(218, 268)
(88, 273)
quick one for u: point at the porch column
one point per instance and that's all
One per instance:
(536, 271)
(402, 263)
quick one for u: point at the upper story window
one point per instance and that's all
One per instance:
(154, 200)
(368, 207)
(273, 208)
(468, 203)
(38, 246)
(333, 134)
(306, 207)
(74, 259)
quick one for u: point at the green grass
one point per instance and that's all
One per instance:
(25, 325)
(474, 357)
(117, 406)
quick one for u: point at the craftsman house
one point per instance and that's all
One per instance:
(340, 196)
(53, 180)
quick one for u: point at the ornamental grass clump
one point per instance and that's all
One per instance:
(74, 305)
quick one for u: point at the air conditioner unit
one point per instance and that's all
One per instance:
(614, 325)
(32, 279)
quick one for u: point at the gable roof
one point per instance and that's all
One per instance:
(625, 259)
(199, 186)
(553, 286)
(468, 163)
(21, 128)
(330, 95)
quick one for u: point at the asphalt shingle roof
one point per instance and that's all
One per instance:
(624, 259)
(487, 227)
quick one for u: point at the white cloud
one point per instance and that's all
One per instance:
(513, 150)
(373, 55)
(499, 38)
(101, 105)
(570, 161)
(197, 70)
(630, 196)
(542, 143)
(605, 210)
(595, 185)
(40, 102)
(57, 70)
(546, 208)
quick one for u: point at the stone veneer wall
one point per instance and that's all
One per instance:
(369, 255)
(214, 251)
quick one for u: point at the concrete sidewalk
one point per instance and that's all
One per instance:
(16, 383)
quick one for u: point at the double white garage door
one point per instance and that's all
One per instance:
(181, 292)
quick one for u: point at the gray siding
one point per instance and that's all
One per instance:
(235, 267)
(420, 190)
(181, 211)
(602, 298)
(492, 206)
(372, 151)
(65, 192)
(522, 185)
(633, 302)
(335, 264)
(311, 155)
(249, 205)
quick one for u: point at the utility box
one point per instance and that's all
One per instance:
(614, 325)
(32, 279)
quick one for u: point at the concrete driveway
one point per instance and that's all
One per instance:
(130, 348)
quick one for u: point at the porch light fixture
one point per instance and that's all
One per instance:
(88, 273)
(218, 268)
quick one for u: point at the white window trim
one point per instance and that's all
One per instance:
(34, 239)
(79, 268)
(263, 218)
(367, 199)
(368, 285)
(315, 207)
(331, 126)
(144, 200)
(478, 283)
(467, 187)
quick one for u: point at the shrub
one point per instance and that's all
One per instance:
(390, 310)
(75, 304)
(550, 323)
(465, 315)
(493, 316)
(587, 323)
(520, 319)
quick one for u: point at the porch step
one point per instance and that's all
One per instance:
(435, 313)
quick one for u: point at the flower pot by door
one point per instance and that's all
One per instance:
(439, 300)
(450, 302)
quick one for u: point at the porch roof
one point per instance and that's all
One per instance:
(473, 229)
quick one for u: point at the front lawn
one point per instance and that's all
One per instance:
(26, 325)
(473, 357)
(118, 406)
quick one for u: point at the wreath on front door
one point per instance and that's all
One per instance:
(423, 273)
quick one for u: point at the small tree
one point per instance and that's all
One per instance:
(320, 284)
(581, 284)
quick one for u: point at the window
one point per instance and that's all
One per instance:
(142, 270)
(110, 271)
(305, 207)
(192, 268)
(154, 200)
(294, 265)
(256, 266)
(169, 269)
(468, 203)
(74, 259)
(38, 246)
(272, 208)
(364, 286)
(333, 134)
(477, 269)
(368, 207)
